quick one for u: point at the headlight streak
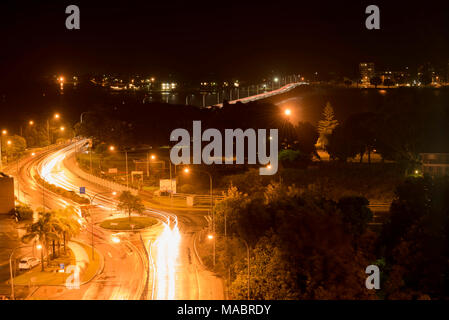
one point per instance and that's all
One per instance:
(166, 245)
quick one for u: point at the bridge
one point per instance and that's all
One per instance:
(264, 95)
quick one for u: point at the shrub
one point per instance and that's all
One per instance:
(23, 213)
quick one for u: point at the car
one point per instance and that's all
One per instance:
(28, 263)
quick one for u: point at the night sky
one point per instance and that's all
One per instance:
(224, 39)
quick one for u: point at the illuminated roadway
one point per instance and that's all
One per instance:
(174, 268)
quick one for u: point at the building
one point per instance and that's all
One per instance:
(366, 72)
(435, 164)
(6, 194)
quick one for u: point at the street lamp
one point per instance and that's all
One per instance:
(287, 112)
(112, 148)
(56, 116)
(39, 247)
(91, 200)
(187, 170)
(31, 122)
(4, 132)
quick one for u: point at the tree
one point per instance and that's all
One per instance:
(415, 241)
(43, 230)
(327, 125)
(130, 204)
(355, 215)
(69, 224)
(388, 82)
(16, 148)
(375, 81)
(340, 146)
(306, 138)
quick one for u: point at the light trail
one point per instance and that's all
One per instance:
(167, 244)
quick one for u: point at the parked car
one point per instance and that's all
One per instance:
(28, 263)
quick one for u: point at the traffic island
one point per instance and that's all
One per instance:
(79, 254)
(133, 223)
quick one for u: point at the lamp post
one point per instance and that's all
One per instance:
(4, 132)
(55, 116)
(39, 247)
(91, 200)
(187, 170)
(247, 256)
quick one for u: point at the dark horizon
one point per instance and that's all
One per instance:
(195, 40)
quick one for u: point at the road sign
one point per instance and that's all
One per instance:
(82, 190)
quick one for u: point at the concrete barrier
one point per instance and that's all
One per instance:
(71, 163)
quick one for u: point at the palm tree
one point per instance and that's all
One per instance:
(69, 224)
(42, 230)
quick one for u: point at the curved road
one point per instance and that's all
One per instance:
(170, 267)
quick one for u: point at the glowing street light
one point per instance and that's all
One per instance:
(62, 128)
(287, 112)
(186, 170)
(210, 236)
(39, 247)
(33, 154)
(115, 239)
(57, 116)
(111, 148)
(31, 122)
(153, 157)
(4, 132)
(9, 142)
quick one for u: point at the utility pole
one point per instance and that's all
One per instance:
(127, 178)
(148, 164)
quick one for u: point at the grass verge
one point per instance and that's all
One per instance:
(52, 277)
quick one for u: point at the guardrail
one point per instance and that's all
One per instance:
(74, 167)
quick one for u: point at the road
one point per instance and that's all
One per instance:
(121, 277)
(173, 268)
